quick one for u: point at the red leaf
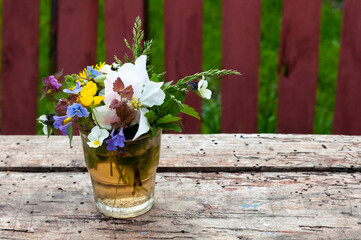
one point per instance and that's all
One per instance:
(118, 85)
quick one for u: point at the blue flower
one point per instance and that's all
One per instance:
(76, 109)
(92, 72)
(76, 90)
(64, 128)
(115, 141)
(59, 121)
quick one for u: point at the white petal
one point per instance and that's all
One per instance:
(152, 94)
(143, 123)
(43, 118)
(200, 83)
(45, 129)
(110, 96)
(141, 64)
(93, 137)
(92, 145)
(106, 69)
(130, 75)
(105, 116)
(103, 134)
(206, 93)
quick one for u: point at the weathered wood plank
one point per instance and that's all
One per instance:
(19, 70)
(347, 112)
(188, 205)
(241, 23)
(222, 152)
(298, 65)
(183, 49)
(77, 35)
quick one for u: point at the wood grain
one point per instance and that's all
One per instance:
(222, 152)
(183, 49)
(241, 23)
(347, 111)
(298, 65)
(76, 35)
(119, 18)
(19, 66)
(188, 205)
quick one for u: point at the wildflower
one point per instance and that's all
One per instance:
(75, 89)
(92, 72)
(192, 85)
(145, 92)
(64, 128)
(97, 136)
(78, 110)
(58, 121)
(46, 121)
(52, 82)
(105, 116)
(87, 94)
(62, 123)
(115, 141)
(202, 89)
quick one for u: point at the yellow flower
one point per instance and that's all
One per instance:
(87, 95)
(99, 66)
(82, 75)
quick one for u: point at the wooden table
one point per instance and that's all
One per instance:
(208, 186)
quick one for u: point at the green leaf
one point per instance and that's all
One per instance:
(190, 111)
(168, 119)
(154, 78)
(171, 126)
(70, 133)
(150, 116)
(49, 130)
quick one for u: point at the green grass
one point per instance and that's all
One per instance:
(268, 79)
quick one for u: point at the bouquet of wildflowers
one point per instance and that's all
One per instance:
(121, 101)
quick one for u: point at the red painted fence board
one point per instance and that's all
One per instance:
(19, 76)
(119, 17)
(241, 22)
(298, 65)
(77, 34)
(347, 117)
(183, 48)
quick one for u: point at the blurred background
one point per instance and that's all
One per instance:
(271, 16)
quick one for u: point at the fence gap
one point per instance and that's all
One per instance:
(212, 43)
(331, 18)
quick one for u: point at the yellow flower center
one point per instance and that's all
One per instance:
(67, 120)
(96, 143)
(134, 103)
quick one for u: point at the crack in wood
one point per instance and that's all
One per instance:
(210, 169)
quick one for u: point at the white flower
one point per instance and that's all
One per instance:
(130, 74)
(45, 127)
(97, 136)
(105, 116)
(146, 93)
(202, 89)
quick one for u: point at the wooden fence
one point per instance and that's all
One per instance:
(74, 33)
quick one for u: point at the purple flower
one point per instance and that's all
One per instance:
(76, 109)
(92, 72)
(76, 90)
(59, 121)
(115, 141)
(64, 128)
(52, 83)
